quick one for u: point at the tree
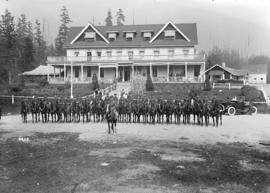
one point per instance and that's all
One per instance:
(108, 19)
(62, 32)
(95, 84)
(7, 28)
(22, 27)
(217, 55)
(40, 56)
(149, 84)
(120, 17)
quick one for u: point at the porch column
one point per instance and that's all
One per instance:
(168, 68)
(186, 71)
(116, 72)
(82, 80)
(54, 72)
(65, 72)
(48, 74)
(151, 71)
(132, 73)
(98, 76)
(123, 74)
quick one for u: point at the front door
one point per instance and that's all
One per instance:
(127, 71)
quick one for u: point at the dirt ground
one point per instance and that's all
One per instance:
(80, 158)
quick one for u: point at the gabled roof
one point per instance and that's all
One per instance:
(233, 71)
(257, 68)
(189, 29)
(164, 27)
(84, 29)
(41, 70)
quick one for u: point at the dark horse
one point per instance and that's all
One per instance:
(111, 116)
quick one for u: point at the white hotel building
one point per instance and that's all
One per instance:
(166, 52)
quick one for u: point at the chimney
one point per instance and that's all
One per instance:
(223, 64)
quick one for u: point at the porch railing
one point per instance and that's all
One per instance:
(116, 58)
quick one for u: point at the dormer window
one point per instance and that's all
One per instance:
(129, 36)
(90, 36)
(169, 34)
(147, 35)
(112, 35)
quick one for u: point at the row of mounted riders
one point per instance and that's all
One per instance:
(131, 109)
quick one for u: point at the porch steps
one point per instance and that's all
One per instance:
(126, 86)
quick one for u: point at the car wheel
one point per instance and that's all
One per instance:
(231, 111)
(253, 110)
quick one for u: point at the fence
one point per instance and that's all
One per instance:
(13, 99)
(228, 85)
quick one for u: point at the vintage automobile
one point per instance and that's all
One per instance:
(238, 105)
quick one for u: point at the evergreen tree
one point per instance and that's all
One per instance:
(62, 32)
(7, 28)
(120, 17)
(22, 27)
(95, 84)
(108, 19)
(149, 83)
(40, 55)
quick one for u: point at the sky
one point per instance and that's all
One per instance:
(243, 25)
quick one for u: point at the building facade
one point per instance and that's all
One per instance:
(118, 53)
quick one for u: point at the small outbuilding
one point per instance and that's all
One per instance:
(257, 73)
(41, 73)
(221, 72)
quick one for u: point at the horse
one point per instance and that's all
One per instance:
(24, 111)
(111, 117)
(216, 113)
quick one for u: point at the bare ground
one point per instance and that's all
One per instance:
(140, 158)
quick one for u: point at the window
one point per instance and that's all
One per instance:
(76, 72)
(98, 53)
(119, 53)
(109, 53)
(101, 72)
(90, 35)
(129, 36)
(76, 53)
(171, 52)
(89, 56)
(154, 71)
(186, 52)
(169, 34)
(88, 71)
(147, 36)
(156, 53)
(141, 53)
(130, 55)
(112, 36)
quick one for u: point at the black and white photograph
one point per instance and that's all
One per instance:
(134, 96)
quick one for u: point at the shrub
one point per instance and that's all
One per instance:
(42, 82)
(149, 84)
(15, 88)
(61, 88)
(95, 84)
(252, 93)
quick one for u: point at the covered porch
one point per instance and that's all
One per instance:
(125, 72)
